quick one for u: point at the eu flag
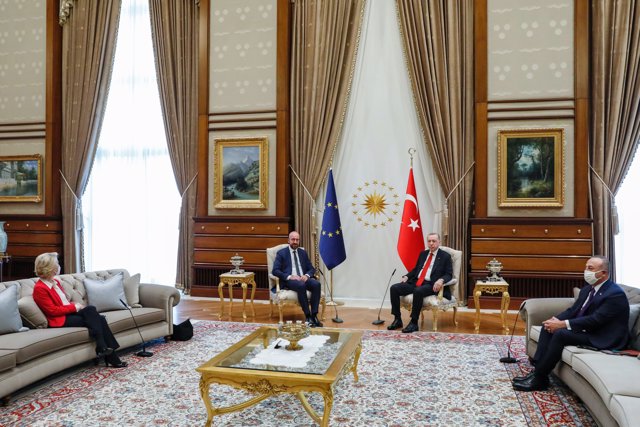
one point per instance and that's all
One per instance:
(331, 239)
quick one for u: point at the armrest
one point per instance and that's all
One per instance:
(451, 282)
(276, 280)
(160, 296)
(537, 310)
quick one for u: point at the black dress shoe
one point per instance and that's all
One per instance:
(535, 383)
(396, 324)
(310, 323)
(113, 360)
(317, 323)
(524, 378)
(411, 327)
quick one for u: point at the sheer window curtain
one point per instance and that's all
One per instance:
(629, 235)
(131, 204)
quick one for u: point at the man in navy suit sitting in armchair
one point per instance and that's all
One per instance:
(295, 271)
(599, 318)
(433, 269)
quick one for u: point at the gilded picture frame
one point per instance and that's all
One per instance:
(531, 168)
(21, 178)
(241, 173)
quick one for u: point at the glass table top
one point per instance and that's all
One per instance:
(241, 354)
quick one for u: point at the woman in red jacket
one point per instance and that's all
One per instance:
(60, 312)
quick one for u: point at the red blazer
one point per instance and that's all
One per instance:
(51, 305)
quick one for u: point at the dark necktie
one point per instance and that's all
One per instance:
(423, 274)
(298, 269)
(587, 303)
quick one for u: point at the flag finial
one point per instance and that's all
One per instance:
(412, 151)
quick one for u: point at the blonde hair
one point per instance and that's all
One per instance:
(46, 265)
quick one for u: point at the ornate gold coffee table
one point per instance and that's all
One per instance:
(231, 367)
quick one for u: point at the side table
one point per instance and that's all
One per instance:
(4, 259)
(492, 288)
(231, 279)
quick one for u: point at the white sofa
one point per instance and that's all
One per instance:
(29, 356)
(608, 385)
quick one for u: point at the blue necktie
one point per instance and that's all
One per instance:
(298, 269)
(587, 303)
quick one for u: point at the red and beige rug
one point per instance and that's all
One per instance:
(420, 379)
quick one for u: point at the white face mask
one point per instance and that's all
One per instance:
(590, 276)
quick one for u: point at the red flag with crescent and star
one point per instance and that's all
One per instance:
(410, 241)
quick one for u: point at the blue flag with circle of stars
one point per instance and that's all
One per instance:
(331, 239)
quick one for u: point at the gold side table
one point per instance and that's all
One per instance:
(231, 279)
(492, 288)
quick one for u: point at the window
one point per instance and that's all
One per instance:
(131, 205)
(629, 236)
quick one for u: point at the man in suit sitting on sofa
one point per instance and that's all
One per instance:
(599, 318)
(295, 271)
(433, 269)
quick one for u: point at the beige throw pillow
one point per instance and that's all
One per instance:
(31, 314)
(131, 290)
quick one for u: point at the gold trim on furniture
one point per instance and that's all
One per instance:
(264, 383)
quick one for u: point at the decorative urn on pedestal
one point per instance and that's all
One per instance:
(237, 261)
(494, 266)
(3, 239)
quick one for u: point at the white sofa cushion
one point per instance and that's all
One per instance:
(106, 295)
(625, 410)
(609, 374)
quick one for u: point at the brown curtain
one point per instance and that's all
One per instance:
(88, 40)
(438, 40)
(324, 44)
(174, 28)
(616, 109)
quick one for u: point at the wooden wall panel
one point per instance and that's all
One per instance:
(534, 251)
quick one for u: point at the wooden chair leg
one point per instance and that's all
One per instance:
(455, 318)
(435, 319)
(270, 308)
(422, 319)
(324, 307)
(280, 311)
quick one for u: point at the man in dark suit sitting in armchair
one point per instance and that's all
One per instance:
(433, 269)
(295, 271)
(599, 318)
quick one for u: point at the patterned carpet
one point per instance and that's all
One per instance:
(420, 379)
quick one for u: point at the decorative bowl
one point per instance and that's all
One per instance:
(293, 332)
(494, 266)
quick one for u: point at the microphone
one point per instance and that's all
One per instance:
(143, 352)
(379, 321)
(335, 306)
(509, 358)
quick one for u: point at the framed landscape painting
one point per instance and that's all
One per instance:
(531, 168)
(240, 173)
(21, 178)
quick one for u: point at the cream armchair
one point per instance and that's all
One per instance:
(437, 303)
(282, 297)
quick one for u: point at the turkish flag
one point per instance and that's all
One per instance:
(410, 241)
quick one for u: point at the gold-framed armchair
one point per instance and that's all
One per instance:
(282, 297)
(437, 303)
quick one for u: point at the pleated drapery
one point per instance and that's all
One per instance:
(89, 37)
(616, 110)
(324, 46)
(438, 40)
(174, 28)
